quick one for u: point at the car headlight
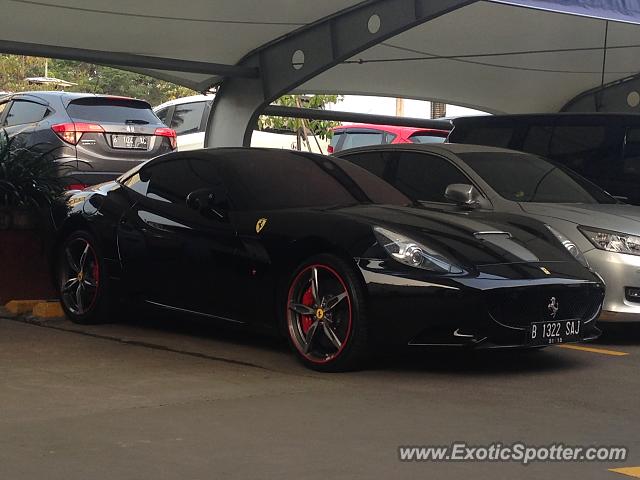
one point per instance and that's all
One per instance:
(569, 245)
(412, 253)
(612, 241)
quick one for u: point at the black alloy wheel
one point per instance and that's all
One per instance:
(82, 279)
(325, 315)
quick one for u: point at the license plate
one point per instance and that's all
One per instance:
(549, 333)
(130, 142)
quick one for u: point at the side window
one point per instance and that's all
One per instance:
(3, 107)
(23, 112)
(491, 136)
(375, 162)
(426, 177)
(631, 159)
(581, 148)
(572, 140)
(162, 115)
(187, 118)
(538, 140)
(136, 183)
(335, 140)
(171, 181)
(389, 137)
(363, 138)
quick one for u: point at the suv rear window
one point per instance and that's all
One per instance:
(363, 139)
(427, 137)
(111, 110)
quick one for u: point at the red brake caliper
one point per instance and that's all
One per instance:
(307, 320)
(96, 272)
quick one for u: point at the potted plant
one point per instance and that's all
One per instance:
(30, 183)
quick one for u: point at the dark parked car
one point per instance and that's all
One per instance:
(96, 137)
(603, 147)
(321, 250)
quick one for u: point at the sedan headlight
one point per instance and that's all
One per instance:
(612, 241)
(412, 253)
(569, 245)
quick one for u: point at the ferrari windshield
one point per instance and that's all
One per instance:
(269, 182)
(528, 178)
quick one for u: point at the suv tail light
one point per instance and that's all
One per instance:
(76, 186)
(170, 133)
(72, 132)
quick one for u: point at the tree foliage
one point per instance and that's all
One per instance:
(321, 128)
(92, 78)
(14, 69)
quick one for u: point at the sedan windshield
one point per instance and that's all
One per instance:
(527, 178)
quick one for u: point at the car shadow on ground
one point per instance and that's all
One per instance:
(619, 333)
(206, 329)
(480, 362)
(434, 360)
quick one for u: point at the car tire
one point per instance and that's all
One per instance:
(82, 279)
(327, 327)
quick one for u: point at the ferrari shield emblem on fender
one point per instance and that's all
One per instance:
(545, 270)
(260, 225)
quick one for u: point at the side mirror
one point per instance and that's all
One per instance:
(206, 202)
(463, 194)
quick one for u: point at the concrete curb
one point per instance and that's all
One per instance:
(48, 310)
(37, 310)
(20, 307)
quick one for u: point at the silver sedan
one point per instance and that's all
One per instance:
(594, 226)
(609, 237)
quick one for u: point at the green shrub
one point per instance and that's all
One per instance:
(29, 177)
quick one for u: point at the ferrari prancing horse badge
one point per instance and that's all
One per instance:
(260, 225)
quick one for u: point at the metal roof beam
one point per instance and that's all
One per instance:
(337, 116)
(307, 52)
(613, 97)
(119, 59)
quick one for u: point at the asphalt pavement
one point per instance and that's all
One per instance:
(174, 399)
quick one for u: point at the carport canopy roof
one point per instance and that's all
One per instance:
(500, 56)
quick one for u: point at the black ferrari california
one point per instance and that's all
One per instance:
(320, 250)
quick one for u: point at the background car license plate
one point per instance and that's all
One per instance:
(559, 331)
(131, 142)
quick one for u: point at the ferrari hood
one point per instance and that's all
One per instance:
(477, 238)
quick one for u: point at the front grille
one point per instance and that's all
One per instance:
(521, 306)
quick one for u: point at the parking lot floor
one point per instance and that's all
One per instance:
(175, 399)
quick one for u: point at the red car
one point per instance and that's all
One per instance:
(362, 135)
